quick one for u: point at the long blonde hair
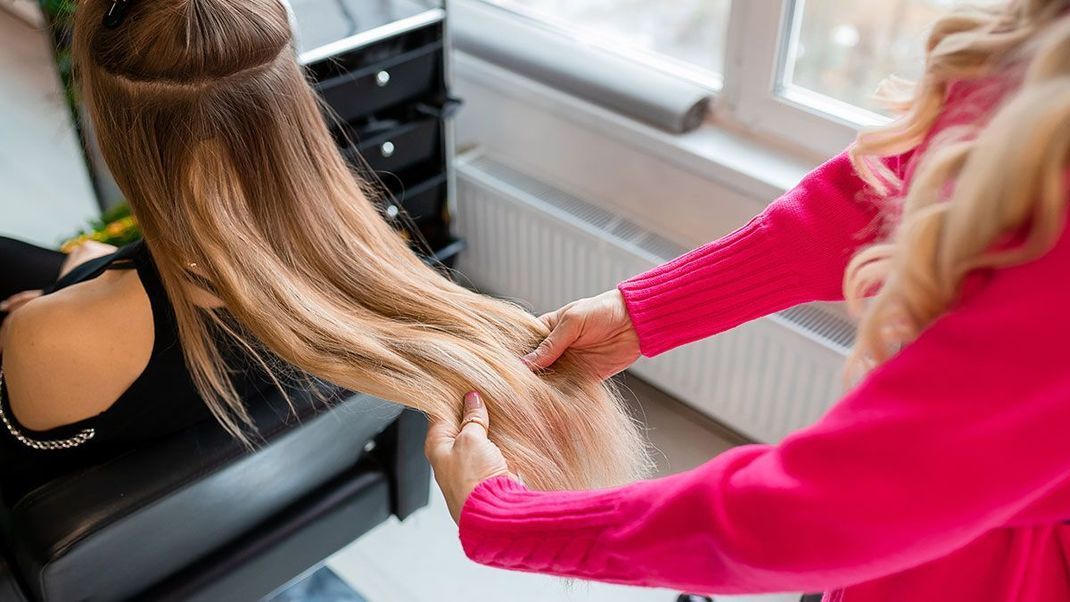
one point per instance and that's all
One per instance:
(972, 190)
(213, 133)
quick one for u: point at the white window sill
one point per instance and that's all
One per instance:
(759, 169)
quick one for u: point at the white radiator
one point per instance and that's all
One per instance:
(531, 242)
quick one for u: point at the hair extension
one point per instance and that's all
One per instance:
(972, 189)
(216, 138)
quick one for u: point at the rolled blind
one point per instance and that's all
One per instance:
(601, 77)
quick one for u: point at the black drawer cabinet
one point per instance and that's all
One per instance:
(387, 87)
(420, 201)
(341, 59)
(404, 149)
(404, 78)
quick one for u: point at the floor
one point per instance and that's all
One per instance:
(45, 194)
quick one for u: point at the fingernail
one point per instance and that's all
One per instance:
(3, 305)
(472, 401)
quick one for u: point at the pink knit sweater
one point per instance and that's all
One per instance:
(945, 475)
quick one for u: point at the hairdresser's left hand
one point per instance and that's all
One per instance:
(462, 459)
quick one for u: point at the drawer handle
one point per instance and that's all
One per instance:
(392, 211)
(382, 78)
(387, 149)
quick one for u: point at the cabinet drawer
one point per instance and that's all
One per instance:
(421, 202)
(355, 59)
(403, 148)
(397, 80)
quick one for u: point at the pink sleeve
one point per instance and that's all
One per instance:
(794, 252)
(963, 430)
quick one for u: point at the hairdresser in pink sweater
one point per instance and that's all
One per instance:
(944, 474)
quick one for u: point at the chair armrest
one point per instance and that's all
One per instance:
(401, 451)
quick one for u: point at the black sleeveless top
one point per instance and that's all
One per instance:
(161, 401)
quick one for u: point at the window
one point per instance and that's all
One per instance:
(843, 49)
(802, 70)
(688, 35)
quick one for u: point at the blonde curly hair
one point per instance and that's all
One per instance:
(973, 187)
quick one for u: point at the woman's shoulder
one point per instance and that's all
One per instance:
(70, 355)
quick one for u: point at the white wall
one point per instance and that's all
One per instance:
(45, 193)
(27, 10)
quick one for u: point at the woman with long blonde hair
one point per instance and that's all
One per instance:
(944, 474)
(262, 254)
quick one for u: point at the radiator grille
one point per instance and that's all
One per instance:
(832, 329)
(544, 247)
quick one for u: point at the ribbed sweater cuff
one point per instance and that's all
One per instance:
(502, 519)
(738, 278)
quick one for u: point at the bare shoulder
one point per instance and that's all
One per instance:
(68, 356)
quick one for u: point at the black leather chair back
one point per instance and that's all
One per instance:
(116, 529)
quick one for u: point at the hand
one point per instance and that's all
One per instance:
(84, 252)
(597, 330)
(463, 459)
(17, 300)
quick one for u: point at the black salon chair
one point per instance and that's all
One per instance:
(198, 517)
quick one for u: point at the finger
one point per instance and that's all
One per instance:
(18, 299)
(440, 436)
(14, 306)
(554, 345)
(24, 296)
(551, 319)
(476, 419)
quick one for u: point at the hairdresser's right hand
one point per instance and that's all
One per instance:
(598, 331)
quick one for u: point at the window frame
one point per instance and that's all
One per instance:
(756, 95)
(751, 94)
